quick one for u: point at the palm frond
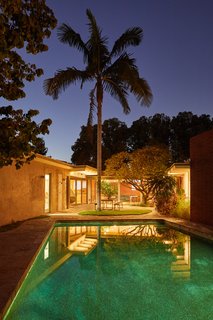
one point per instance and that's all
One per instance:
(126, 71)
(62, 79)
(118, 91)
(142, 91)
(131, 37)
(67, 35)
(97, 44)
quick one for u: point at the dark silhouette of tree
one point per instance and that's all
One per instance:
(19, 136)
(139, 134)
(112, 71)
(159, 130)
(114, 140)
(23, 25)
(184, 126)
(115, 136)
(85, 147)
(145, 131)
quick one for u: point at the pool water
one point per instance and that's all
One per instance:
(137, 272)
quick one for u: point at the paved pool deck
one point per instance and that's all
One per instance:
(20, 245)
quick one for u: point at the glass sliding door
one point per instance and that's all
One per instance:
(78, 191)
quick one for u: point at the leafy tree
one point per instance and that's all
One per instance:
(114, 140)
(19, 136)
(139, 134)
(23, 25)
(84, 149)
(145, 131)
(184, 126)
(108, 190)
(112, 71)
(139, 168)
(159, 130)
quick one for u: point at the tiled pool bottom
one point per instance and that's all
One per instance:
(137, 271)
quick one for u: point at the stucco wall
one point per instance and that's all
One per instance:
(201, 154)
(22, 191)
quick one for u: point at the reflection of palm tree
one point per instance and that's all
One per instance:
(117, 77)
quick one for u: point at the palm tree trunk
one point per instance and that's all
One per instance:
(99, 145)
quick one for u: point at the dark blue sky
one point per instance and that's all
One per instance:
(175, 57)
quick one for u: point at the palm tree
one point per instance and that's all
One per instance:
(112, 71)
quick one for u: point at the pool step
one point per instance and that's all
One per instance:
(83, 245)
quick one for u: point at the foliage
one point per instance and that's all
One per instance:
(19, 136)
(23, 25)
(112, 71)
(139, 168)
(85, 147)
(182, 208)
(175, 133)
(165, 205)
(108, 190)
(114, 140)
(184, 126)
(145, 131)
(164, 193)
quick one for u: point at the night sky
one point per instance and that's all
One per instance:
(175, 57)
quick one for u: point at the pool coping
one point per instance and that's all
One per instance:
(24, 242)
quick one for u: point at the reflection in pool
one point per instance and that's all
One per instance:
(138, 271)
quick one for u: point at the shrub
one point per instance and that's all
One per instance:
(165, 204)
(182, 209)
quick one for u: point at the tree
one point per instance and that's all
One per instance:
(114, 137)
(163, 188)
(114, 140)
(112, 71)
(145, 132)
(23, 25)
(84, 149)
(19, 136)
(108, 190)
(184, 126)
(139, 168)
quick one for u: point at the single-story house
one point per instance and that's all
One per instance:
(44, 186)
(48, 185)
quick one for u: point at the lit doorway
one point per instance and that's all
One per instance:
(47, 193)
(60, 185)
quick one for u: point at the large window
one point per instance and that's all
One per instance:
(78, 191)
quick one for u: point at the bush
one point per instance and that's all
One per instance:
(166, 204)
(182, 209)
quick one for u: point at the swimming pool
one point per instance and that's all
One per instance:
(118, 271)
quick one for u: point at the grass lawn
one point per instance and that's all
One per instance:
(114, 212)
